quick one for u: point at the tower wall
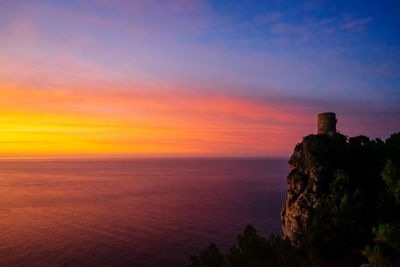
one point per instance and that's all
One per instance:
(327, 123)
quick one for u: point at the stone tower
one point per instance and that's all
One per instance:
(327, 123)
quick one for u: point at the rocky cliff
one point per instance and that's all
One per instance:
(343, 201)
(312, 168)
(342, 208)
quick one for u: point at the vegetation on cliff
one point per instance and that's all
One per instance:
(251, 250)
(342, 209)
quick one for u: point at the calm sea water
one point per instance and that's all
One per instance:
(142, 212)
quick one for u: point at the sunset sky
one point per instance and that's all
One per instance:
(116, 78)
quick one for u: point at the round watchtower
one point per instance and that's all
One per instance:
(327, 123)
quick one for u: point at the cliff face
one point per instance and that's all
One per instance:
(343, 199)
(312, 168)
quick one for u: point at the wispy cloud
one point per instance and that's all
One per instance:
(356, 24)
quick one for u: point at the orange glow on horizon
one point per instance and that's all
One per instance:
(74, 123)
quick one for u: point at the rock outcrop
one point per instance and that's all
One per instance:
(312, 168)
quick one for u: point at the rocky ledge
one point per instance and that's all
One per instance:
(312, 168)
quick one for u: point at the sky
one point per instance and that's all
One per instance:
(139, 78)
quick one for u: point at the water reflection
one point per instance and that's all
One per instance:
(144, 212)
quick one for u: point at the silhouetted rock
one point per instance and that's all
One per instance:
(312, 167)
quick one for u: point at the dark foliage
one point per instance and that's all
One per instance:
(210, 257)
(251, 250)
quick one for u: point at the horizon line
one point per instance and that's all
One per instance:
(142, 157)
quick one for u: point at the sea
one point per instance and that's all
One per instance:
(133, 212)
